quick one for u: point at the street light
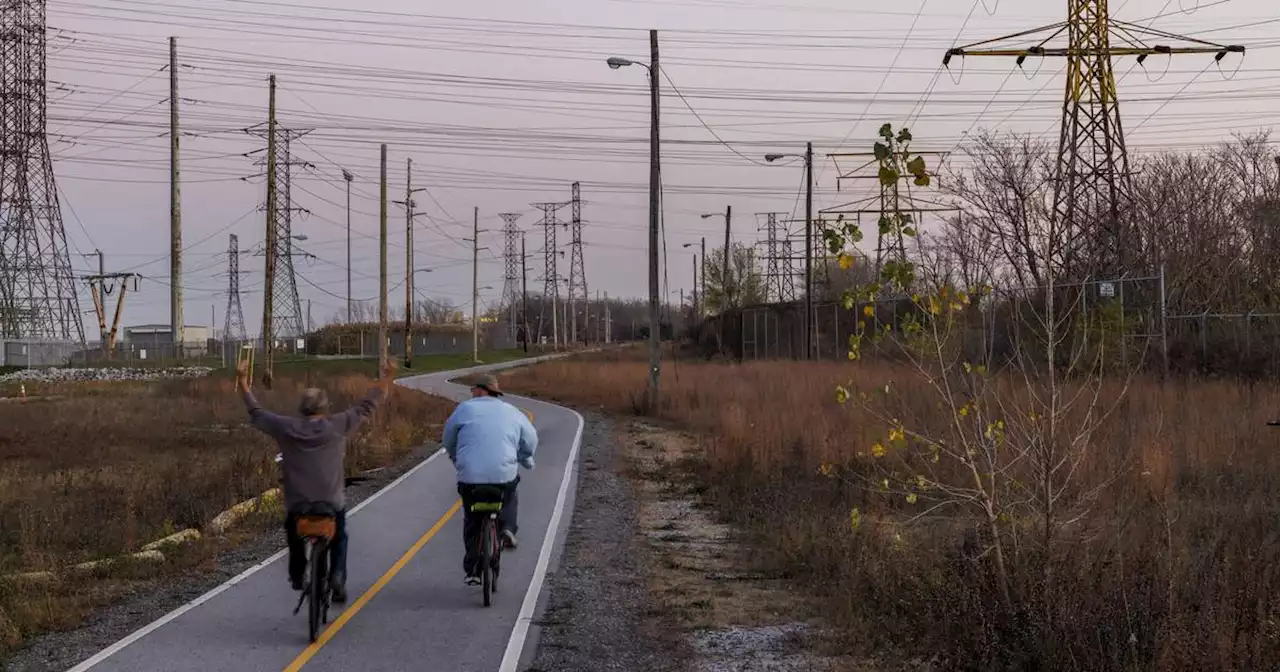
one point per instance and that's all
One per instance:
(808, 322)
(655, 336)
(616, 62)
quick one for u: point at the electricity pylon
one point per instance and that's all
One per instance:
(234, 322)
(1091, 185)
(512, 256)
(37, 288)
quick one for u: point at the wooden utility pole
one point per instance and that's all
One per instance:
(809, 322)
(97, 301)
(701, 311)
(694, 307)
(268, 289)
(726, 280)
(408, 264)
(382, 266)
(99, 289)
(475, 285)
(655, 335)
(728, 270)
(177, 325)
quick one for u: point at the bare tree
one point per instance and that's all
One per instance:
(1007, 194)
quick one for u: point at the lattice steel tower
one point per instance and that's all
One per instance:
(37, 289)
(779, 285)
(578, 295)
(551, 277)
(511, 255)
(235, 313)
(286, 314)
(1091, 185)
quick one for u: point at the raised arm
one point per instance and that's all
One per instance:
(350, 420)
(261, 419)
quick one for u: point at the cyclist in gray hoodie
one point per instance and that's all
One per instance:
(313, 449)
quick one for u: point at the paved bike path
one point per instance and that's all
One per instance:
(407, 609)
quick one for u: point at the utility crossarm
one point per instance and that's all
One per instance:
(1123, 31)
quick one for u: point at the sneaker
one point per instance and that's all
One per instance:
(472, 580)
(338, 591)
(509, 539)
(296, 583)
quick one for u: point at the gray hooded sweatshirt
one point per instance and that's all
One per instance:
(312, 448)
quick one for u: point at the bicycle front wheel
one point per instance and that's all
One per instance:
(316, 589)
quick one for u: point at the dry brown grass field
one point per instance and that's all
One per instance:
(1174, 566)
(106, 468)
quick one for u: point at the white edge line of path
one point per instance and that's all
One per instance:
(167, 618)
(515, 646)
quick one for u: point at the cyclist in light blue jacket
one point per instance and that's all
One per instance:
(486, 438)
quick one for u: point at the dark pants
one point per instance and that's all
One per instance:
(471, 522)
(298, 549)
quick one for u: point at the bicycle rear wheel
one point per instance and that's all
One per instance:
(486, 558)
(315, 588)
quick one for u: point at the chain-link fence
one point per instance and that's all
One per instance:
(1116, 322)
(1245, 343)
(353, 343)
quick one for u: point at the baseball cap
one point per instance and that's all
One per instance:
(489, 384)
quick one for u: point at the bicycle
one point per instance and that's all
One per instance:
(317, 526)
(488, 502)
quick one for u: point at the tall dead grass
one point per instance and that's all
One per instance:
(110, 467)
(1175, 566)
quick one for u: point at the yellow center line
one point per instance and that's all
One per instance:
(528, 413)
(378, 585)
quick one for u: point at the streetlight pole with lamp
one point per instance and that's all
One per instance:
(726, 273)
(655, 343)
(808, 244)
(346, 175)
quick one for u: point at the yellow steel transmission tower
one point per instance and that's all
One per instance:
(1092, 175)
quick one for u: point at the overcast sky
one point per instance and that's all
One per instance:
(502, 104)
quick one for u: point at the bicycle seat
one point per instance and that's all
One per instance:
(316, 520)
(486, 498)
(316, 510)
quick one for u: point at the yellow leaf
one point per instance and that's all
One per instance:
(911, 498)
(855, 518)
(869, 310)
(877, 450)
(846, 261)
(826, 470)
(842, 395)
(897, 434)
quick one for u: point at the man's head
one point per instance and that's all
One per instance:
(486, 386)
(314, 402)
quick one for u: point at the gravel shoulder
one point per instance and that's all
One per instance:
(650, 580)
(57, 652)
(599, 614)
